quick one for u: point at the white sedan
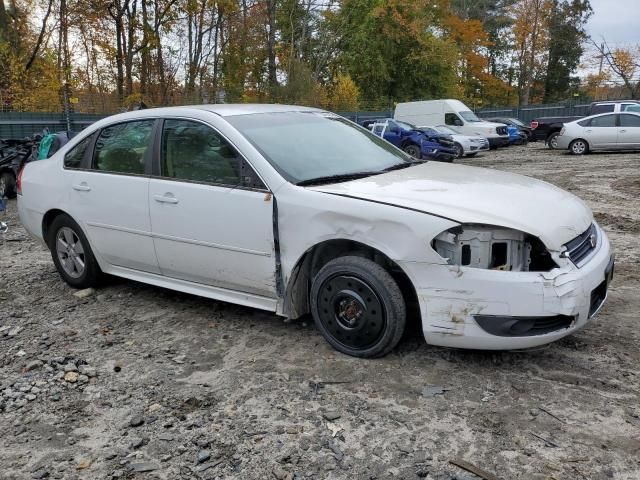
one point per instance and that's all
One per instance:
(296, 210)
(465, 145)
(607, 131)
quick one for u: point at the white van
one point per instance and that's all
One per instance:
(453, 113)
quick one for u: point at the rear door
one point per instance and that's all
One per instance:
(211, 215)
(110, 197)
(602, 132)
(629, 131)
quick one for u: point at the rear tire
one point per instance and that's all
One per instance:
(358, 307)
(7, 185)
(72, 254)
(579, 147)
(552, 140)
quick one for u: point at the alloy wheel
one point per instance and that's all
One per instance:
(578, 147)
(70, 252)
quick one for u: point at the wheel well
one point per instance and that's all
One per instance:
(407, 142)
(48, 219)
(299, 285)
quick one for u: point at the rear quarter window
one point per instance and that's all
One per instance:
(74, 157)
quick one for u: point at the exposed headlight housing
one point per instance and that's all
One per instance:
(492, 248)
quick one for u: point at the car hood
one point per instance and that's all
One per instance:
(477, 195)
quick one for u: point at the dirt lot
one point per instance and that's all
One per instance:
(186, 387)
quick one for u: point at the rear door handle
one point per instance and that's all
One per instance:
(83, 187)
(622, 131)
(166, 198)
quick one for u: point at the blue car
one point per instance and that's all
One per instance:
(516, 136)
(414, 141)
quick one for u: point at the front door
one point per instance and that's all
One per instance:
(110, 198)
(629, 131)
(211, 215)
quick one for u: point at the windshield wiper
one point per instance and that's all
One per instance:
(344, 177)
(403, 165)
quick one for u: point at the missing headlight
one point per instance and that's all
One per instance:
(493, 248)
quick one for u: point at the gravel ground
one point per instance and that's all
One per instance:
(133, 381)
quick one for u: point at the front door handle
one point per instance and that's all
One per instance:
(82, 187)
(166, 198)
(622, 131)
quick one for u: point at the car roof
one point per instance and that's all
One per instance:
(221, 109)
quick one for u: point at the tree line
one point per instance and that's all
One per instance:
(339, 54)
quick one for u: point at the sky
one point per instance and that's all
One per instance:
(617, 21)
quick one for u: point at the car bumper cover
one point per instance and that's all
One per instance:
(496, 310)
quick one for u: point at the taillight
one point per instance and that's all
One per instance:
(19, 182)
(534, 125)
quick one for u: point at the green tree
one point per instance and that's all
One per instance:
(567, 33)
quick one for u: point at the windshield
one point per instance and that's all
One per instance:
(515, 121)
(405, 126)
(469, 116)
(307, 145)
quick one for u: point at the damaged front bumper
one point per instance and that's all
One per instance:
(499, 310)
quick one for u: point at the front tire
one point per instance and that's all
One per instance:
(7, 185)
(579, 147)
(552, 140)
(413, 150)
(358, 307)
(72, 254)
(459, 150)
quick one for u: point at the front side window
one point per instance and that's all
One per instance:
(121, 148)
(195, 152)
(306, 146)
(74, 157)
(452, 119)
(604, 121)
(630, 120)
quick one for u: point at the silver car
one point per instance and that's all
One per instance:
(608, 131)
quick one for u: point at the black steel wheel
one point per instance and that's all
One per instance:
(358, 307)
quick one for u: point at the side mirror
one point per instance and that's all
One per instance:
(458, 123)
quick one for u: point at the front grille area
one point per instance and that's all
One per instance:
(501, 130)
(581, 246)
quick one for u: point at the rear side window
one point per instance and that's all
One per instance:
(585, 123)
(73, 158)
(630, 120)
(602, 108)
(604, 121)
(121, 148)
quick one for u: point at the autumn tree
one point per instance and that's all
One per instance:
(623, 65)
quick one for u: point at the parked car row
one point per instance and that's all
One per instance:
(446, 129)
(547, 129)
